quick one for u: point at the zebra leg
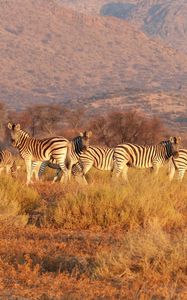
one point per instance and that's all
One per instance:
(84, 170)
(124, 173)
(68, 160)
(28, 170)
(79, 173)
(171, 169)
(58, 175)
(7, 169)
(156, 167)
(42, 168)
(34, 169)
(171, 172)
(63, 170)
(1, 169)
(60, 160)
(51, 165)
(65, 174)
(119, 168)
(181, 174)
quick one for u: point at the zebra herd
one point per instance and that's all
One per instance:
(77, 157)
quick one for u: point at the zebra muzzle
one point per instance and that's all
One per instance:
(176, 154)
(13, 143)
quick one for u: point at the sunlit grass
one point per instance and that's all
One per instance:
(109, 234)
(150, 257)
(103, 202)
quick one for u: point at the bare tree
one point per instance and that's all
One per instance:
(75, 117)
(45, 118)
(131, 126)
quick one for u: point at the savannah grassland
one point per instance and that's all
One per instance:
(106, 240)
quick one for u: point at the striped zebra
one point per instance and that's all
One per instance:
(130, 155)
(7, 163)
(32, 149)
(179, 163)
(100, 158)
(78, 145)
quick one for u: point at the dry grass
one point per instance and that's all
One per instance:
(104, 240)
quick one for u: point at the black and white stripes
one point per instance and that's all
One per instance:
(130, 155)
(6, 162)
(178, 164)
(32, 149)
(77, 146)
(77, 156)
(100, 158)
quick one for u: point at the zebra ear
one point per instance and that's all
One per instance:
(17, 127)
(175, 140)
(89, 134)
(81, 134)
(171, 139)
(9, 125)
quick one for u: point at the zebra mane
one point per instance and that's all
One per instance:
(25, 133)
(164, 143)
(77, 144)
(76, 138)
(20, 130)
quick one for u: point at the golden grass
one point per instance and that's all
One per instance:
(153, 261)
(107, 239)
(107, 203)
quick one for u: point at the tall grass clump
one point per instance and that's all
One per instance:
(107, 203)
(152, 261)
(16, 200)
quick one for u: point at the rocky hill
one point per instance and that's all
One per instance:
(165, 19)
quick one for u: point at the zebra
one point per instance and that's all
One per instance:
(78, 145)
(8, 163)
(98, 157)
(131, 155)
(179, 163)
(32, 149)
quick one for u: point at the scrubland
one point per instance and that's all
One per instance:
(107, 240)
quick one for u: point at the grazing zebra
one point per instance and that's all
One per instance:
(179, 163)
(130, 155)
(78, 145)
(32, 149)
(7, 162)
(100, 158)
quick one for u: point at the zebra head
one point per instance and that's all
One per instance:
(15, 133)
(172, 146)
(175, 145)
(85, 138)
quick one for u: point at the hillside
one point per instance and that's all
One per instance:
(170, 107)
(165, 19)
(51, 53)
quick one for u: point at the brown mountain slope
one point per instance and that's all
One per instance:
(49, 53)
